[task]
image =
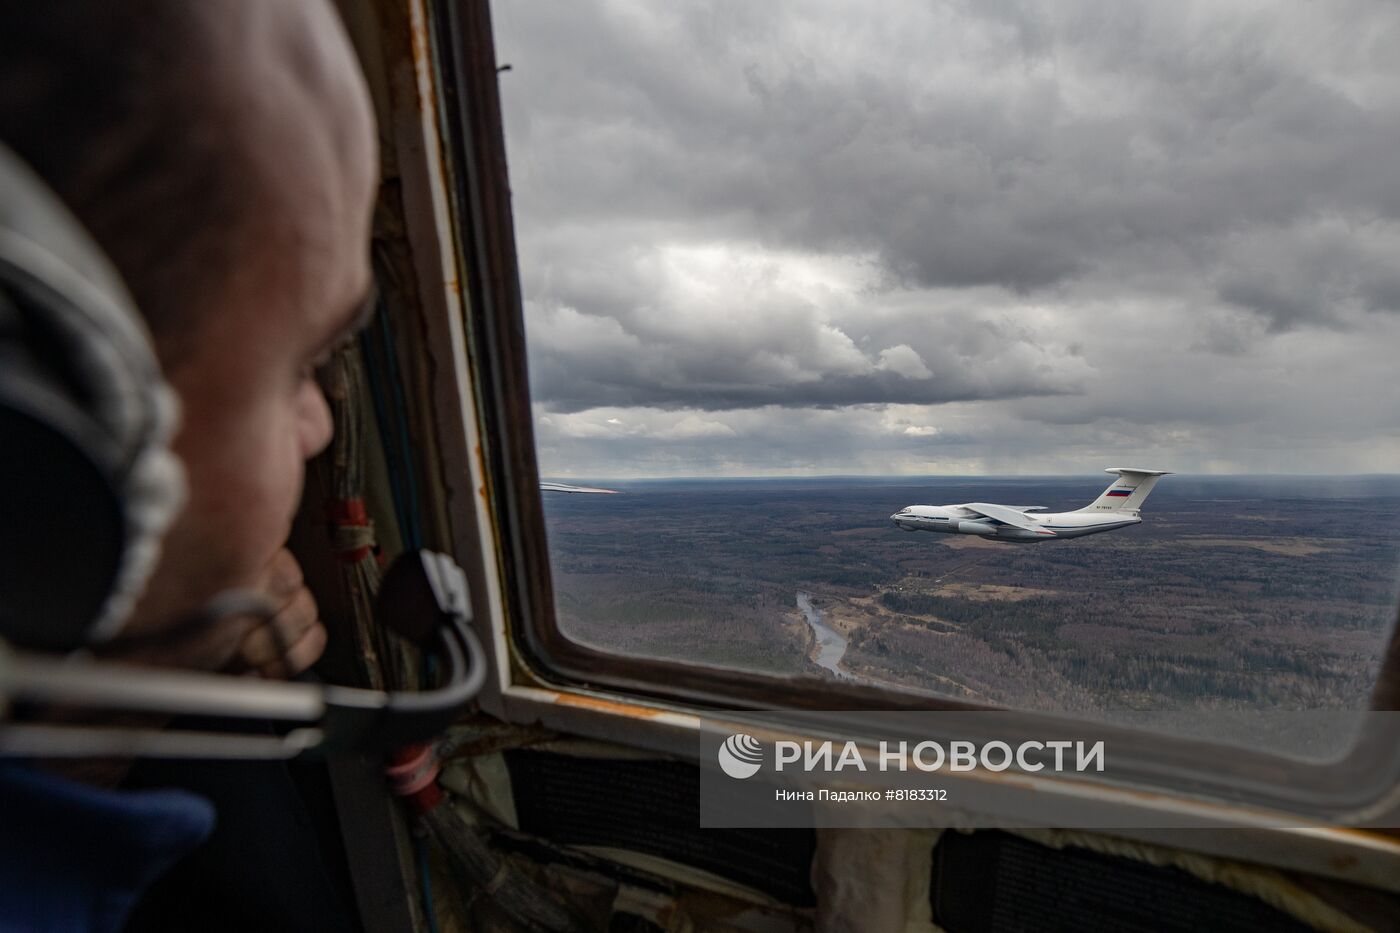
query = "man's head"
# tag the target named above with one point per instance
(223, 154)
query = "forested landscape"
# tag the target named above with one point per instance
(1235, 592)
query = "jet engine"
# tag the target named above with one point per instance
(976, 528)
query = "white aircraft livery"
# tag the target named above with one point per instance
(565, 487)
(1116, 508)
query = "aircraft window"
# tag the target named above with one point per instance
(784, 268)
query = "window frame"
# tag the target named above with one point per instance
(541, 676)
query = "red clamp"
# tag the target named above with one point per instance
(352, 532)
(413, 776)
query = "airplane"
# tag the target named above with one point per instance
(565, 487)
(1117, 507)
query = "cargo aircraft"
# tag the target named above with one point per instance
(587, 490)
(1116, 508)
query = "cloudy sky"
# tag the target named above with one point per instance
(808, 237)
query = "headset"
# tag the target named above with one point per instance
(88, 487)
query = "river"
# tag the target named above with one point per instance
(831, 644)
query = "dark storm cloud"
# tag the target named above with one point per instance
(576, 389)
(789, 205)
(1284, 307)
(1319, 273)
(1068, 131)
(730, 327)
(1383, 293)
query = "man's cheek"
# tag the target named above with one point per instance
(256, 501)
(280, 484)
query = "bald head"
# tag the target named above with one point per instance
(192, 139)
(222, 152)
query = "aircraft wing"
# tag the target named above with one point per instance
(1008, 515)
(562, 487)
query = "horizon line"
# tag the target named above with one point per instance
(599, 477)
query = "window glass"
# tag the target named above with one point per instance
(789, 268)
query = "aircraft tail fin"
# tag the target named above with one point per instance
(1125, 494)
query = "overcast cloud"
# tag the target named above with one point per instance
(814, 237)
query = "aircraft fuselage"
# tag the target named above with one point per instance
(955, 519)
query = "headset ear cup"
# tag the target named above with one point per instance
(56, 501)
(87, 420)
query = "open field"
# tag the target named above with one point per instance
(1288, 547)
(1234, 592)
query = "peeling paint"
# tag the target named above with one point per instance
(608, 706)
(423, 60)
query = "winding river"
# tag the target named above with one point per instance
(831, 644)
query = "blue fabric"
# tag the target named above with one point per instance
(74, 858)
